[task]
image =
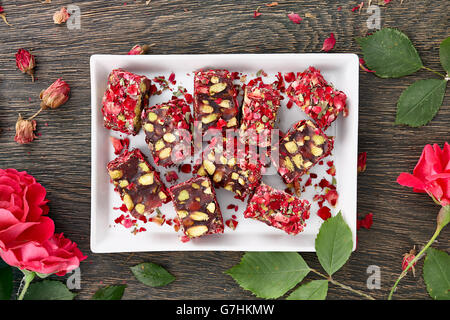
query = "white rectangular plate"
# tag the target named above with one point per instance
(340, 69)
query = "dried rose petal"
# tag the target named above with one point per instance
(172, 79)
(362, 158)
(119, 144)
(273, 4)
(332, 197)
(324, 213)
(171, 176)
(256, 13)
(25, 130)
(231, 223)
(329, 43)
(186, 168)
(365, 222)
(295, 18)
(362, 65)
(61, 16)
(56, 95)
(25, 62)
(358, 7)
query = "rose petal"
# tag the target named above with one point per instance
(329, 43)
(294, 17)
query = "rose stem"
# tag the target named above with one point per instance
(343, 285)
(413, 261)
(29, 276)
(35, 115)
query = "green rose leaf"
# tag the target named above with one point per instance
(152, 274)
(49, 290)
(313, 290)
(6, 282)
(269, 275)
(420, 102)
(390, 53)
(436, 273)
(334, 243)
(444, 54)
(109, 293)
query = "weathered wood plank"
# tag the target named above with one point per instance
(60, 158)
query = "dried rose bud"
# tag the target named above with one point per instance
(55, 95)
(407, 258)
(138, 49)
(25, 62)
(61, 16)
(25, 130)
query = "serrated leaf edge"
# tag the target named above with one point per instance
(398, 122)
(360, 40)
(308, 269)
(429, 289)
(334, 243)
(321, 281)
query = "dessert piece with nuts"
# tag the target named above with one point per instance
(137, 182)
(319, 100)
(259, 112)
(126, 95)
(278, 209)
(215, 100)
(230, 169)
(302, 147)
(167, 132)
(197, 208)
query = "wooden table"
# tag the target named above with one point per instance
(60, 158)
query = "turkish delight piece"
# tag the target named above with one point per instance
(302, 147)
(137, 182)
(167, 132)
(215, 100)
(318, 99)
(125, 96)
(278, 209)
(197, 207)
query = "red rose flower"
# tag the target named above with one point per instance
(22, 210)
(55, 95)
(57, 255)
(431, 174)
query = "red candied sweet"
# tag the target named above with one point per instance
(125, 96)
(259, 112)
(300, 149)
(197, 207)
(319, 100)
(215, 100)
(137, 182)
(167, 132)
(278, 209)
(230, 168)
